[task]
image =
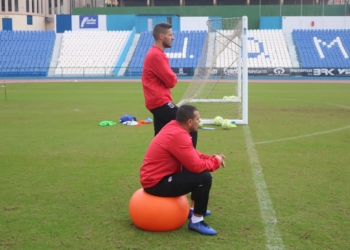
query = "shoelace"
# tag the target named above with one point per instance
(204, 224)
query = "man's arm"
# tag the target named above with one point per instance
(221, 157)
(188, 156)
(203, 156)
(161, 68)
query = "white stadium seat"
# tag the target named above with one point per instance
(90, 52)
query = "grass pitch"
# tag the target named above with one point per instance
(65, 182)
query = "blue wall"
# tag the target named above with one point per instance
(215, 25)
(214, 17)
(63, 23)
(141, 23)
(120, 22)
(270, 22)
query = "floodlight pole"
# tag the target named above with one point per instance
(280, 7)
(345, 5)
(323, 8)
(301, 8)
(259, 8)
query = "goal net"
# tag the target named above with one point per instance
(219, 86)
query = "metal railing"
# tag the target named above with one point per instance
(68, 71)
(108, 72)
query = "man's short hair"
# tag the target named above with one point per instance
(161, 28)
(185, 113)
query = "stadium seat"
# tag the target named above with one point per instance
(92, 53)
(327, 48)
(22, 52)
(267, 48)
(185, 51)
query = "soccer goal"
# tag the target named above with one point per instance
(219, 86)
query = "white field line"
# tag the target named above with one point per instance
(338, 105)
(302, 136)
(272, 234)
(298, 100)
(342, 106)
(313, 134)
(332, 104)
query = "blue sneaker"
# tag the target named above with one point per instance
(191, 213)
(201, 227)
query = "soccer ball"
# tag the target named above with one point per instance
(200, 124)
(226, 124)
(218, 120)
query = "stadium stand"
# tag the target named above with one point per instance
(25, 53)
(90, 53)
(322, 48)
(185, 51)
(267, 48)
(225, 51)
(95, 53)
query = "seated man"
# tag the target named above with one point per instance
(172, 148)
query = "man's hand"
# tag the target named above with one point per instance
(221, 157)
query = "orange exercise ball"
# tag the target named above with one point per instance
(158, 214)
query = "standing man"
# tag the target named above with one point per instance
(158, 79)
(161, 172)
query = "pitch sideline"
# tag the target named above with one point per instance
(303, 136)
(273, 236)
(312, 134)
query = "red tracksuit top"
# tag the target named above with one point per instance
(157, 79)
(170, 149)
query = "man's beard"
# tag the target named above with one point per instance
(165, 45)
(193, 129)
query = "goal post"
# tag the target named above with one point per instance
(219, 86)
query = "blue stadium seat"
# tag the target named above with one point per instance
(195, 42)
(323, 48)
(22, 51)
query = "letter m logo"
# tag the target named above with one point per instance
(321, 47)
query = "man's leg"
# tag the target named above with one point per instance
(194, 136)
(183, 183)
(157, 124)
(163, 115)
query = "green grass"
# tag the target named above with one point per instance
(65, 182)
